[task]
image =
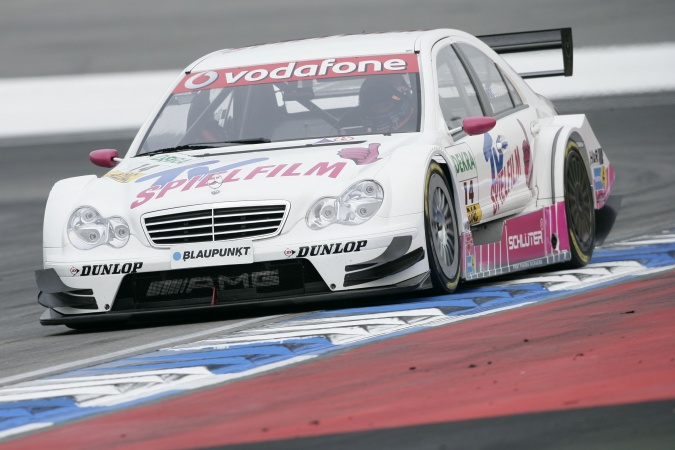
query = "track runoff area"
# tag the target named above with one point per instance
(489, 367)
(613, 321)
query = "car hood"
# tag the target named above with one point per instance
(298, 173)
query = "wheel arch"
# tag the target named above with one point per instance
(445, 282)
(555, 139)
(451, 176)
(411, 164)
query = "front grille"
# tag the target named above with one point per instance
(217, 223)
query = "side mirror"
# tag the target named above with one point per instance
(106, 157)
(478, 125)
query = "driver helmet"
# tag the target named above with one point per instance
(386, 103)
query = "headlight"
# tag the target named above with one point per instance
(88, 229)
(354, 206)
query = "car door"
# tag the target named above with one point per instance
(506, 149)
(458, 100)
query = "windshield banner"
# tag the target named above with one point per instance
(302, 70)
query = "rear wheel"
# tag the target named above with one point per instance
(578, 207)
(442, 231)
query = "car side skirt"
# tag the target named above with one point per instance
(522, 242)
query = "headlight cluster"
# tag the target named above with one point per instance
(354, 206)
(88, 229)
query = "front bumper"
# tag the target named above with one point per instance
(53, 317)
(389, 261)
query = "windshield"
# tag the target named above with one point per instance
(281, 102)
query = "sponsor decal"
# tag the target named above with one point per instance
(504, 176)
(463, 162)
(201, 80)
(211, 253)
(123, 177)
(601, 197)
(335, 139)
(201, 175)
(597, 157)
(496, 90)
(528, 264)
(106, 269)
(600, 178)
(361, 155)
(475, 213)
(326, 249)
(299, 70)
(469, 252)
(524, 240)
(222, 283)
(136, 172)
(527, 156)
(171, 159)
(469, 194)
(202, 168)
(493, 154)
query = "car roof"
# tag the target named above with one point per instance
(315, 48)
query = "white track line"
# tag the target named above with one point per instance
(113, 102)
(128, 351)
(607, 71)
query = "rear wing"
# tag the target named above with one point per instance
(529, 41)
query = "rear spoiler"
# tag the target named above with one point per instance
(528, 41)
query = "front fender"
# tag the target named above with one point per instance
(405, 178)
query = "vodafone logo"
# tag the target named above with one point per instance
(201, 80)
(294, 71)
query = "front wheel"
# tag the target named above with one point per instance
(442, 231)
(578, 207)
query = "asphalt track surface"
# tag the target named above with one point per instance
(635, 131)
(643, 161)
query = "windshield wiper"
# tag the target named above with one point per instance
(259, 140)
(203, 145)
(178, 148)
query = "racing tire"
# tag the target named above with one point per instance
(442, 231)
(579, 208)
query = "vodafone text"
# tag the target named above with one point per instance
(292, 71)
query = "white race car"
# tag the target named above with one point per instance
(320, 168)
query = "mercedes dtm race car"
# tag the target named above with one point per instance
(320, 168)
